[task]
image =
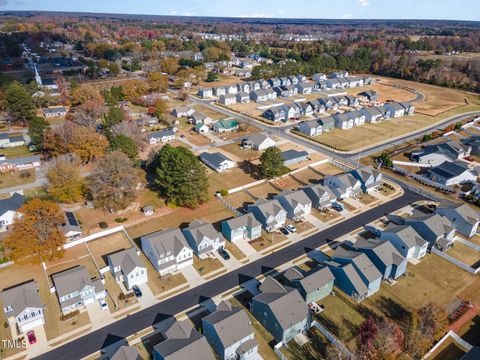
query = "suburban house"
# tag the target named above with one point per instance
(22, 304)
(293, 156)
(328, 123)
(181, 342)
(409, 108)
(339, 74)
(70, 226)
(406, 240)
(305, 88)
(126, 267)
(219, 91)
(281, 310)
(384, 256)
(182, 111)
(226, 125)
(282, 91)
(258, 142)
(243, 227)
(333, 84)
(285, 81)
(344, 121)
(7, 141)
(368, 95)
(217, 161)
(436, 154)
(231, 89)
(243, 87)
(200, 118)
(316, 106)
(9, 208)
(321, 196)
(306, 109)
(343, 185)
(372, 114)
(463, 218)
(202, 128)
(319, 77)
(228, 99)
(203, 238)
(387, 113)
(396, 109)
(167, 250)
(75, 288)
(328, 104)
(229, 331)
(369, 178)
(275, 114)
(451, 173)
(354, 81)
(263, 95)
(20, 163)
(294, 80)
(274, 82)
(339, 100)
(313, 285)
(269, 213)
(161, 136)
(296, 203)
(434, 228)
(54, 112)
(125, 352)
(358, 117)
(352, 101)
(243, 98)
(205, 93)
(354, 273)
(310, 128)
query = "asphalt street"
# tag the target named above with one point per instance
(120, 329)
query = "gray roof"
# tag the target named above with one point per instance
(200, 229)
(166, 241)
(126, 353)
(71, 280)
(329, 120)
(183, 342)
(320, 190)
(21, 297)
(286, 303)
(438, 224)
(384, 249)
(21, 160)
(294, 197)
(347, 116)
(12, 203)
(231, 324)
(181, 109)
(467, 213)
(312, 124)
(243, 220)
(407, 234)
(395, 106)
(450, 149)
(366, 171)
(215, 159)
(293, 154)
(362, 262)
(160, 133)
(352, 275)
(372, 111)
(347, 179)
(315, 279)
(449, 170)
(55, 110)
(127, 259)
(257, 139)
(199, 116)
(269, 207)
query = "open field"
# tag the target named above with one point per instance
(240, 199)
(386, 92)
(328, 169)
(16, 178)
(228, 180)
(307, 176)
(107, 245)
(209, 112)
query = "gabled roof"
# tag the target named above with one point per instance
(286, 304)
(257, 139)
(200, 229)
(269, 207)
(373, 111)
(450, 149)
(365, 172)
(384, 249)
(395, 106)
(71, 280)
(231, 323)
(467, 213)
(199, 116)
(312, 124)
(352, 275)
(215, 159)
(127, 259)
(21, 297)
(320, 190)
(361, 261)
(243, 220)
(315, 279)
(13, 203)
(293, 154)
(226, 123)
(166, 241)
(126, 353)
(160, 133)
(21, 160)
(407, 234)
(294, 197)
(329, 120)
(438, 224)
(449, 170)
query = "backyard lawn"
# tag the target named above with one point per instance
(465, 254)
(17, 151)
(16, 178)
(106, 245)
(326, 215)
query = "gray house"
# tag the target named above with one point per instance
(167, 250)
(320, 196)
(396, 109)
(258, 142)
(269, 213)
(296, 203)
(244, 227)
(435, 229)
(343, 185)
(229, 331)
(76, 289)
(313, 285)
(370, 178)
(406, 240)
(310, 128)
(463, 218)
(281, 310)
(23, 303)
(328, 123)
(217, 161)
(126, 267)
(182, 342)
(384, 256)
(372, 114)
(203, 238)
(126, 353)
(436, 154)
(451, 173)
(292, 156)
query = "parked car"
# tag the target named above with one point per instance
(291, 228)
(137, 291)
(31, 337)
(224, 254)
(103, 304)
(284, 231)
(469, 158)
(337, 206)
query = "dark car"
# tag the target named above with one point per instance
(137, 291)
(223, 253)
(31, 337)
(284, 231)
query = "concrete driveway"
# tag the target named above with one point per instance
(42, 343)
(98, 317)
(147, 299)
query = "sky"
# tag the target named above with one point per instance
(319, 9)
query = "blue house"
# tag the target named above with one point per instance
(354, 273)
(245, 227)
(281, 310)
(384, 256)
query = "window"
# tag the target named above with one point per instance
(8, 308)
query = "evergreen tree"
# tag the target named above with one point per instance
(271, 163)
(124, 144)
(19, 102)
(36, 131)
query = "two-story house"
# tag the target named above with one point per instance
(296, 203)
(343, 185)
(313, 285)
(310, 128)
(269, 213)
(463, 218)
(203, 238)
(406, 240)
(370, 178)
(321, 196)
(126, 267)
(23, 304)
(244, 227)
(167, 250)
(435, 229)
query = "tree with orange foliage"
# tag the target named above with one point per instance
(82, 94)
(36, 235)
(134, 89)
(157, 82)
(169, 65)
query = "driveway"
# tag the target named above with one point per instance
(147, 299)
(42, 343)
(98, 317)
(192, 276)
(246, 248)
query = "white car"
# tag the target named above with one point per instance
(103, 304)
(291, 228)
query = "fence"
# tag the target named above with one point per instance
(280, 355)
(468, 243)
(455, 337)
(227, 205)
(95, 236)
(456, 262)
(338, 344)
(422, 179)
(408, 163)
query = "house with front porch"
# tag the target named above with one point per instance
(269, 213)
(321, 196)
(126, 267)
(243, 227)
(396, 109)
(203, 238)
(296, 203)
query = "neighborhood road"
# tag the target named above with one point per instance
(120, 329)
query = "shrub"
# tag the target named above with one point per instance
(70, 315)
(121, 220)
(103, 225)
(224, 192)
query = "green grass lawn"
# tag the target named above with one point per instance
(16, 152)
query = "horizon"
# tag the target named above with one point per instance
(460, 10)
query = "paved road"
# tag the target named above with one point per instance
(119, 330)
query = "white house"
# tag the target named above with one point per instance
(160, 137)
(183, 111)
(463, 217)
(270, 213)
(127, 267)
(396, 109)
(217, 161)
(200, 118)
(406, 240)
(203, 238)
(227, 99)
(296, 203)
(258, 142)
(8, 210)
(343, 185)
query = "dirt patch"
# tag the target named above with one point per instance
(106, 245)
